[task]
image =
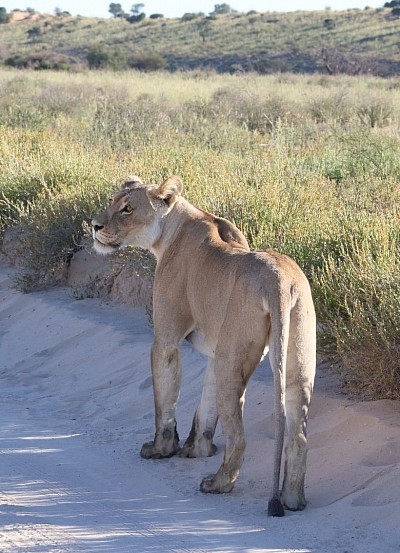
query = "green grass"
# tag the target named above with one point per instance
(309, 166)
(266, 42)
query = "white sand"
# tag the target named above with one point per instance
(76, 405)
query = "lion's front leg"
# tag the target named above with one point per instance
(166, 370)
(200, 440)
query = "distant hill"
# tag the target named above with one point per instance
(353, 41)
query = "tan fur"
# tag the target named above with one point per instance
(231, 304)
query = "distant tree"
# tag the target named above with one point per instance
(220, 9)
(392, 4)
(137, 14)
(60, 13)
(116, 10)
(4, 16)
(395, 12)
(156, 16)
(204, 27)
(137, 8)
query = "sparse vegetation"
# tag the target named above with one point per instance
(306, 165)
(350, 42)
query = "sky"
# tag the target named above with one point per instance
(175, 8)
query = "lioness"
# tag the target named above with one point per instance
(230, 304)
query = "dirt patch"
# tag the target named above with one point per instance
(17, 17)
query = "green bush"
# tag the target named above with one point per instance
(40, 61)
(357, 296)
(136, 18)
(101, 57)
(189, 16)
(147, 62)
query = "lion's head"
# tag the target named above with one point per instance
(134, 216)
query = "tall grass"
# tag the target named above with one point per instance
(307, 166)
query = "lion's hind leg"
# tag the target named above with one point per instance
(236, 357)
(230, 400)
(200, 440)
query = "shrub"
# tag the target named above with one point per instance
(4, 16)
(34, 32)
(255, 112)
(41, 60)
(147, 62)
(189, 16)
(220, 9)
(156, 16)
(358, 301)
(136, 18)
(329, 24)
(101, 57)
(375, 112)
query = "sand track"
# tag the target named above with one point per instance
(76, 404)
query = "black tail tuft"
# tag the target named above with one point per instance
(275, 508)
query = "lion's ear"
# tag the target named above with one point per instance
(131, 182)
(168, 191)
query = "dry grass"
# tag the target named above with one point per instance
(308, 166)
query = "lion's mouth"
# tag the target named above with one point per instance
(104, 249)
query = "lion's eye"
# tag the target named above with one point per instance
(127, 209)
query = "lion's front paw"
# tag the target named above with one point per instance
(216, 484)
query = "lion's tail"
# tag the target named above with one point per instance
(278, 351)
(292, 357)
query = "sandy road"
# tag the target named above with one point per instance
(61, 493)
(76, 405)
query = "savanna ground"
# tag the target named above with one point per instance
(307, 165)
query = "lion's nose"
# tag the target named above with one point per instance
(96, 227)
